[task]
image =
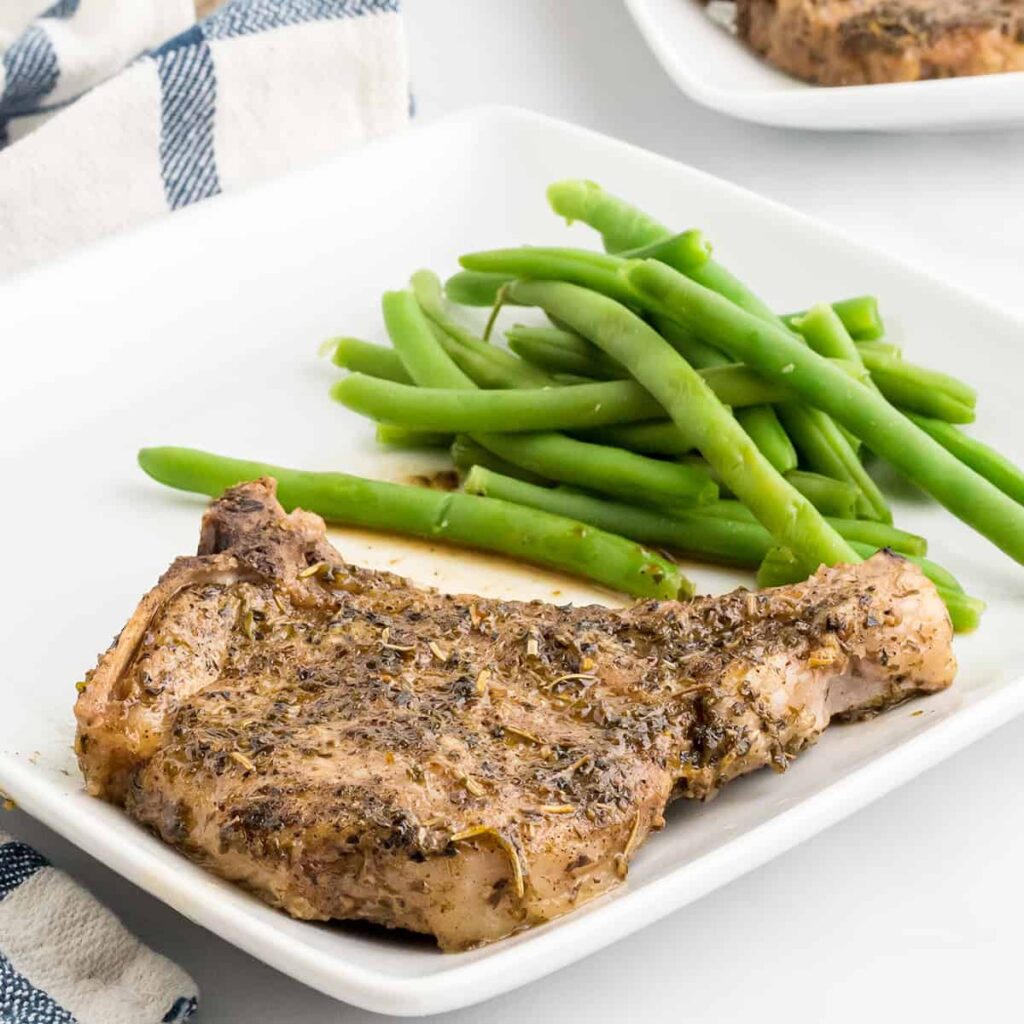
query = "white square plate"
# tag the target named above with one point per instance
(202, 330)
(716, 69)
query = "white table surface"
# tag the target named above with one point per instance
(911, 909)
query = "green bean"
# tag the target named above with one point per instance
(859, 316)
(607, 470)
(549, 454)
(592, 270)
(825, 332)
(720, 540)
(474, 288)
(553, 349)
(403, 437)
(410, 331)
(624, 227)
(693, 406)
(865, 531)
(779, 568)
(777, 354)
(489, 366)
(365, 357)
(466, 454)
(822, 329)
(574, 407)
(829, 496)
(923, 391)
(995, 468)
(826, 451)
(699, 354)
(686, 251)
(695, 533)
(460, 518)
(881, 348)
(762, 426)
(661, 437)
(761, 423)
(621, 225)
(482, 361)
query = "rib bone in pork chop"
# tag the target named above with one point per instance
(348, 745)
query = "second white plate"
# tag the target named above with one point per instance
(717, 70)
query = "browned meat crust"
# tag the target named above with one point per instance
(853, 42)
(348, 745)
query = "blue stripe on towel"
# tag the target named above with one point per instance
(18, 863)
(188, 97)
(61, 9)
(22, 1003)
(182, 1010)
(30, 64)
(248, 16)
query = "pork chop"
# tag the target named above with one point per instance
(854, 42)
(348, 745)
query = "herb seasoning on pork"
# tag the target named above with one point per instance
(348, 745)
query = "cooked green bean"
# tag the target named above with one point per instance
(592, 270)
(859, 315)
(685, 251)
(552, 455)
(822, 329)
(481, 360)
(422, 355)
(474, 288)
(365, 357)
(524, 533)
(882, 348)
(780, 568)
(623, 226)
(466, 454)
(995, 468)
(662, 437)
(492, 367)
(888, 433)
(760, 423)
(826, 333)
(693, 406)
(512, 410)
(729, 540)
(556, 350)
(607, 470)
(826, 451)
(920, 390)
(829, 496)
(403, 437)
(866, 531)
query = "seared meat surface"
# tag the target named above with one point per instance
(853, 42)
(348, 745)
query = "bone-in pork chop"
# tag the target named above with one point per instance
(348, 745)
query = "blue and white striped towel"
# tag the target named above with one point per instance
(95, 137)
(67, 960)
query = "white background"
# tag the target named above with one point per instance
(910, 909)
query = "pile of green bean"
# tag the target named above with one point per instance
(664, 404)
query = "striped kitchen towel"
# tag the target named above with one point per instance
(113, 111)
(65, 959)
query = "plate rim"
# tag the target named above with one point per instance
(573, 937)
